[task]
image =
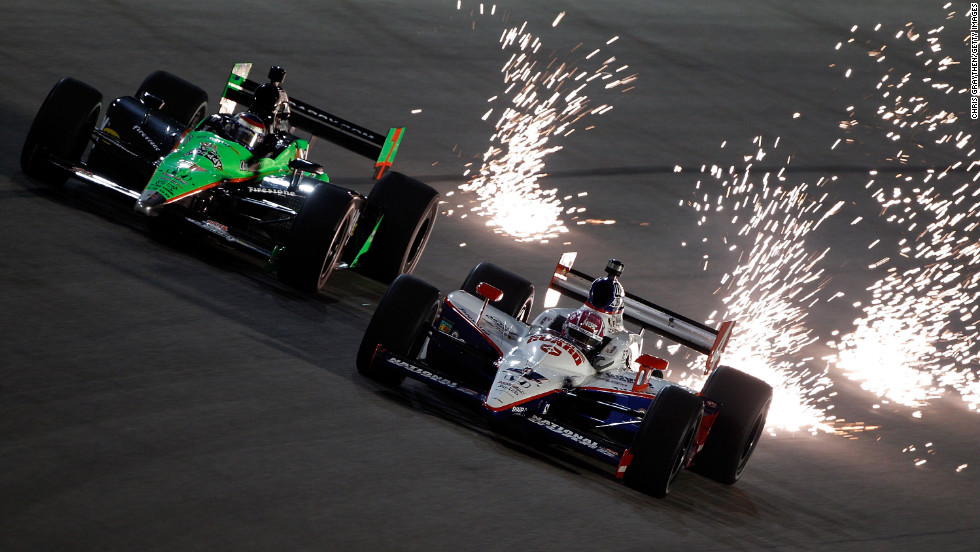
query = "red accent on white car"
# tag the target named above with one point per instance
(714, 357)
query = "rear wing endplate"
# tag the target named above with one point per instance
(690, 333)
(374, 145)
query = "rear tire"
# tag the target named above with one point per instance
(184, 101)
(408, 210)
(518, 291)
(399, 324)
(62, 128)
(665, 436)
(744, 401)
(318, 237)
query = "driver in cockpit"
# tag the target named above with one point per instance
(596, 327)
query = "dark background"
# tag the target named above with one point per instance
(157, 397)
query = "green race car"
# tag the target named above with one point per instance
(241, 175)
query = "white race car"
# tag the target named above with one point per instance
(572, 377)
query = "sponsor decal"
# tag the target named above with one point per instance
(146, 137)
(534, 376)
(208, 151)
(511, 376)
(169, 186)
(524, 376)
(552, 350)
(509, 387)
(592, 323)
(616, 378)
(498, 326)
(333, 121)
(493, 322)
(571, 435)
(519, 381)
(217, 226)
(554, 346)
(268, 191)
(447, 329)
(587, 321)
(422, 372)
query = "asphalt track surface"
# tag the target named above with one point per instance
(162, 397)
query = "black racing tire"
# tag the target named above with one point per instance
(399, 324)
(62, 128)
(518, 291)
(665, 437)
(407, 210)
(318, 237)
(182, 100)
(744, 401)
(168, 227)
(161, 228)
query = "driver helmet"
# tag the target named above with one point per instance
(248, 129)
(607, 296)
(585, 329)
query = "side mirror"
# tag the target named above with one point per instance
(652, 362)
(305, 166)
(650, 367)
(489, 292)
(301, 166)
(151, 102)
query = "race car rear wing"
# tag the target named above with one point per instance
(703, 339)
(373, 145)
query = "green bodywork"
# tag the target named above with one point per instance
(203, 160)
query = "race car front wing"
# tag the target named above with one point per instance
(527, 417)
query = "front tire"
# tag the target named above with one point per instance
(518, 291)
(399, 325)
(665, 436)
(744, 401)
(408, 210)
(61, 128)
(182, 100)
(318, 237)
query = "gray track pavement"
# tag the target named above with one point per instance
(160, 397)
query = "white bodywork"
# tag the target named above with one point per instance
(535, 362)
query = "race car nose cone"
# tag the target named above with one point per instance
(148, 200)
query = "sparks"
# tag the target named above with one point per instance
(917, 338)
(540, 108)
(770, 290)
